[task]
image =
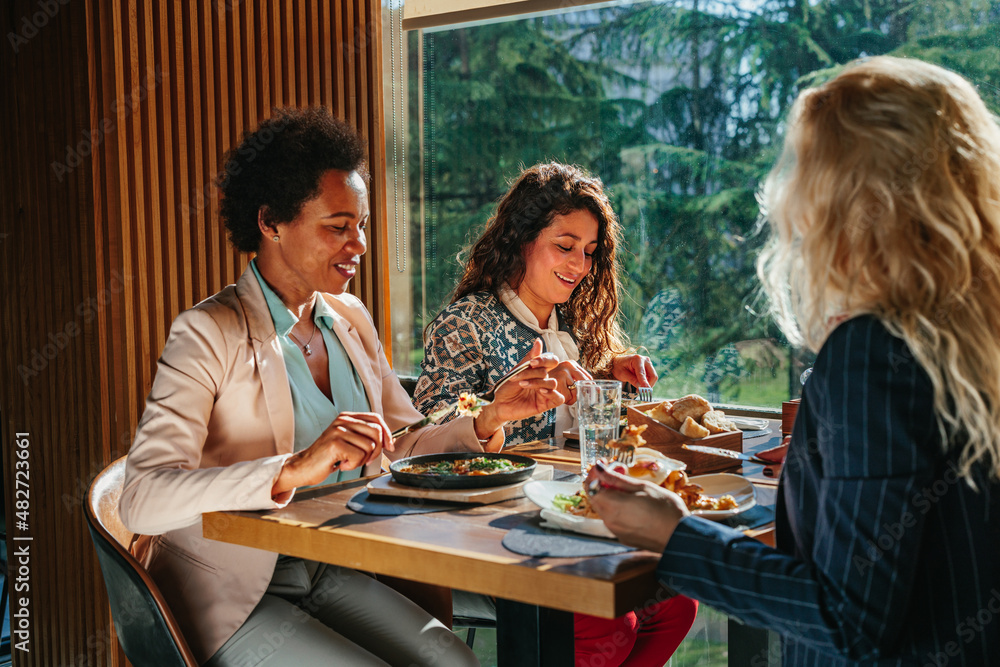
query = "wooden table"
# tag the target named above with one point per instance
(748, 646)
(460, 549)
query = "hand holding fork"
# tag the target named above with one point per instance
(637, 370)
(534, 360)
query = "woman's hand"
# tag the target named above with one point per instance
(350, 441)
(639, 513)
(530, 392)
(635, 369)
(567, 374)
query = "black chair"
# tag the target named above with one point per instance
(146, 629)
(472, 624)
(409, 384)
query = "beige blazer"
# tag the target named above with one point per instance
(215, 433)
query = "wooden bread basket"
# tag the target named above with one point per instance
(668, 441)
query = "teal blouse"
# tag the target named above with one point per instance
(312, 410)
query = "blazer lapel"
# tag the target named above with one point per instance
(270, 362)
(349, 338)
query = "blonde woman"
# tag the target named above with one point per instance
(885, 257)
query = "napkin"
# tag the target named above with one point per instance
(775, 454)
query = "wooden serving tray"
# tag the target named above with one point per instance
(666, 440)
(385, 486)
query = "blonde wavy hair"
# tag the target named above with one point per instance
(886, 201)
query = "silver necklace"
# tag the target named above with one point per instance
(305, 348)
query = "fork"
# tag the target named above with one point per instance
(644, 394)
(491, 394)
(624, 454)
(440, 414)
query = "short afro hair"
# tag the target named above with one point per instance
(278, 167)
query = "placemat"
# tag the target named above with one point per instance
(365, 503)
(755, 517)
(530, 539)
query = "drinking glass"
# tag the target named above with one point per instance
(599, 405)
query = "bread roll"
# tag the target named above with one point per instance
(693, 429)
(692, 406)
(715, 421)
(661, 413)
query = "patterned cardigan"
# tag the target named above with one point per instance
(472, 343)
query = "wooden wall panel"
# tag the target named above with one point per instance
(115, 117)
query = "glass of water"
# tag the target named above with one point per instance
(599, 405)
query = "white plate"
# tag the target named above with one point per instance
(748, 423)
(721, 484)
(542, 494)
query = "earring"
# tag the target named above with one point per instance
(275, 238)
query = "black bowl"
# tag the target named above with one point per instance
(435, 481)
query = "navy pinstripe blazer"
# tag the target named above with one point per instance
(884, 555)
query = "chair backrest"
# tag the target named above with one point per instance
(409, 383)
(146, 629)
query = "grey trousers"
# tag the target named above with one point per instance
(317, 614)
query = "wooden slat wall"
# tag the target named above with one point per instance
(98, 260)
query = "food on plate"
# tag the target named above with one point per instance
(470, 405)
(654, 467)
(692, 495)
(693, 429)
(647, 464)
(651, 469)
(480, 465)
(577, 505)
(693, 416)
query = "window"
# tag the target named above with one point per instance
(679, 108)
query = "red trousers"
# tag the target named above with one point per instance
(643, 638)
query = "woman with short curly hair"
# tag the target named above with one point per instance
(279, 382)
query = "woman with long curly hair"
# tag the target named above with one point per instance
(545, 268)
(545, 273)
(884, 257)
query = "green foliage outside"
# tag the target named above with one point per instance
(679, 108)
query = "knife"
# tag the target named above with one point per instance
(727, 453)
(433, 417)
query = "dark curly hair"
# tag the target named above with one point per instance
(533, 200)
(278, 167)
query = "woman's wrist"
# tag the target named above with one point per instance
(487, 423)
(286, 481)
